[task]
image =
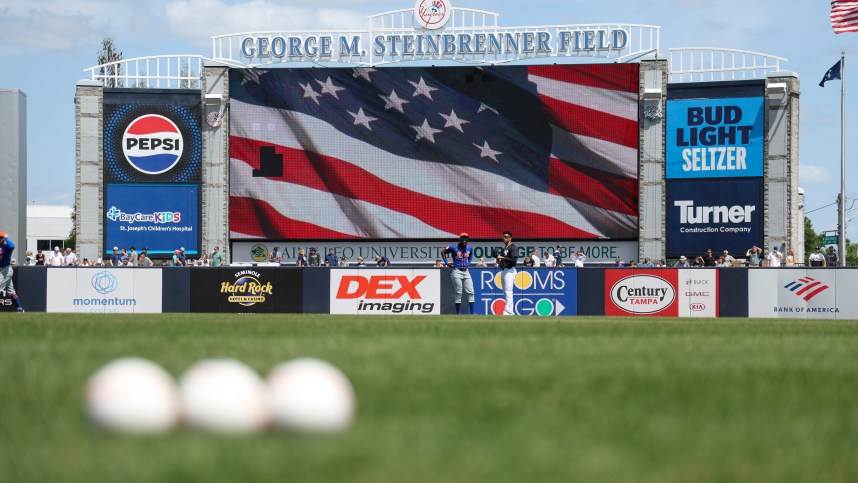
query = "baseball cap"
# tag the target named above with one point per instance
(463, 235)
(56, 249)
(775, 247)
(2, 234)
(181, 249)
(116, 248)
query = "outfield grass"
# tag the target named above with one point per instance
(459, 399)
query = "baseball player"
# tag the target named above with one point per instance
(507, 259)
(461, 254)
(6, 249)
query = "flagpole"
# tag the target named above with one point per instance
(842, 228)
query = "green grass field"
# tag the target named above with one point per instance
(465, 399)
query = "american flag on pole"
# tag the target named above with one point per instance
(548, 152)
(844, 16)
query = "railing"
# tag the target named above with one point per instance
(703, 64)
(152, 72)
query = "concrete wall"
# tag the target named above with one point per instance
(89, 157)
(215, 187)
(13, 164)
(652, 193)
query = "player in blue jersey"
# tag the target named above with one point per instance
(6, 249)
(461, 254)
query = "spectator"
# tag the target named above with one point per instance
(177, 260)
(682, 262)
(722, 262)
(40, 258)
(708, 258)
(85, 262)
(618, 263)
(360, 262)
(549, 259)
(123, 258)
(133, 256)
(203, 261)
(831, 258)
(579, 259)
(699, 262)
(534, 256)
(816, 259)
(481, 262)
(276, 256)
(755, 256)
(662, 263)
(217, 257)
(632, 263)
(382, 261)
(558, 257)
(314, 260)
(29, 261)
(57, 258)
(438, 263)
(775, 257)
(143, 260)
(344, 262)
(728, 258)
(331, 258)
(789, 261)
(70, 258)
(182, 256)
(647, 263)
(528, 260)
(114, 258)
(99, 262)
(301, 261)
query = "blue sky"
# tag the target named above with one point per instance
(45, 45)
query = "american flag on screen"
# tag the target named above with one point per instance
(844, 16)
(542, 151)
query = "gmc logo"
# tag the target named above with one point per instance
(379, 287)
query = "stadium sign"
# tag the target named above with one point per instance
(540, 292)
(662, 292)
(356, 291)
(108, 291)
(433, 30)
(804, 293)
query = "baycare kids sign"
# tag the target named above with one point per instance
(715, 138)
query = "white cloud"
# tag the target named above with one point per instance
(810, 174)
(198, 20)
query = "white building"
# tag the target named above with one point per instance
(48, 226)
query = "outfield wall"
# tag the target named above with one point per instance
(668, 292)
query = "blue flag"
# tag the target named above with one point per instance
(833, 73)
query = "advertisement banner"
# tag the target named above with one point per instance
(383, 292)
(802, 293)
(104, 291)
(642, 292)
(721, 215)
(426, 252)
(715, 138)
(152, 137)
(698, 292)
(246, 290)
(542, 292)
(161, 218)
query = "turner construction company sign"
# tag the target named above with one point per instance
(433, 30)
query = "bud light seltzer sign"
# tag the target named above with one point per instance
(715, 138)
(721, 215)
(152, 138)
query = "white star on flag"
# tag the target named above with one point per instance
(363, 72)
(393, 101)
(487, 152)
(454, 121)
(362, 119)
(310, 92)
(484, 107)
(426, 131)
(328, 87)
(422, 89)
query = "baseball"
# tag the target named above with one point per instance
(312, 396)
(132, 395)
(224, 395)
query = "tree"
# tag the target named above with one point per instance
(811, 239)
(109, 54)
(71, 241)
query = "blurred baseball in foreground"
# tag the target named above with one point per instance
(310, 395)
(132, 395)
(224, 395)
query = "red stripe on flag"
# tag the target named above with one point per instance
(591, 123)
(332, 175)
(594, 187)
(258, 219)
(624, 77)
(844, 16)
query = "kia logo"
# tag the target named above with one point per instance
(698, 307)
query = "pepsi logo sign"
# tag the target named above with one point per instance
(642, 294)
(152, 144)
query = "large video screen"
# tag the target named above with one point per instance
(547, 152)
